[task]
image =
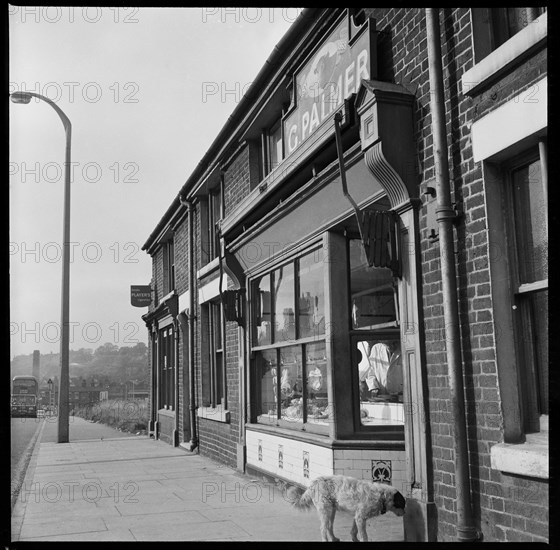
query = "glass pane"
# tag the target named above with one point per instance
(380, 378)
(291, 384)
(312, 295)
(219, 378)
(275, 146)
(216, 321)
(371, 289)
(531, 223)
(536, 339)
(267, 378)
(263, 317)
(284, 300)
(318, 410)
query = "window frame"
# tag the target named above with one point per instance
(277, 346)
(166, 364)
(491, 29)
(377, 332)
(523, 326)
(214, 383)
(214, 215)
(168, 266)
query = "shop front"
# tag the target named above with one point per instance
(325, 251)
(326, 391)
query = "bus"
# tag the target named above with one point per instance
(25, 391)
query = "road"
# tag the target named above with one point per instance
(22, 431)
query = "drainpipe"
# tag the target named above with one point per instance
(193, 443)
(446, 215)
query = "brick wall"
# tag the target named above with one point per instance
(236, 180)
(403, 59)
(181, 251)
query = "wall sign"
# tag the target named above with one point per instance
(332, 75)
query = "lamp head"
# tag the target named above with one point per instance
(20, 97)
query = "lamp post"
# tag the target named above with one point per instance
(50, 383)
(63, 417)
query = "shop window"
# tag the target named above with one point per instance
(166, 368)
(492, 27)
(213, 376)
(528, 233)
(168, 267)
(376, 345)
(289, 349)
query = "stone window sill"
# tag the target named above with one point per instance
(528, 459)
(218, 414)
(210, 267)
(487, 70)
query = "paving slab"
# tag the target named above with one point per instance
(139, 489)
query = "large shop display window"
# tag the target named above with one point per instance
(376, 344)
(289, 344)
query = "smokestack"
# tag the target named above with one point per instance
(36, 365)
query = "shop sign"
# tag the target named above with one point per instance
(333, 74)
(140, 295)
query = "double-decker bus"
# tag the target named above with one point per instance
(25, 390)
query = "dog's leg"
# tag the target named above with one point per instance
(332, 513)
(354, 532)
(360, 519)
(324, 519)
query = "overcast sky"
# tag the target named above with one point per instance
(147, 90)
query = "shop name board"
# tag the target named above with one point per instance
(332, 75)
(140, 295)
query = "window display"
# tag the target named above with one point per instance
(289, 348)
(380, 379)
(376, 346)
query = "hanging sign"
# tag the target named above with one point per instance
(140, 295)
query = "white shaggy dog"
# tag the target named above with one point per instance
(331, 493)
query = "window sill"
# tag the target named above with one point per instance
(167, 412)
(218, 414)
(487, 70)
(211, 266)
(528, 459)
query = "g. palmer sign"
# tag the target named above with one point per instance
(140, 295)
(332, 74)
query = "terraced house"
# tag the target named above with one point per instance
(354, 278)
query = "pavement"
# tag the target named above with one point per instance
(111, 487)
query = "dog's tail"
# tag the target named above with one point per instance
(299, 498)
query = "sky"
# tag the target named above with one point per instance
(146, 90)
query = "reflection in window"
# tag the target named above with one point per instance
(312, 295)
(373, 293)
(284, 304)
(380, 378)
(275, 145)
(263, 320)
(290, 359)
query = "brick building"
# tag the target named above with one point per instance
(354, 278)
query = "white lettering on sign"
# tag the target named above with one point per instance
(332, 75)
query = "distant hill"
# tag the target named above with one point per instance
(108, 361)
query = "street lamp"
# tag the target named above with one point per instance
(50, 383)
(63, 417)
